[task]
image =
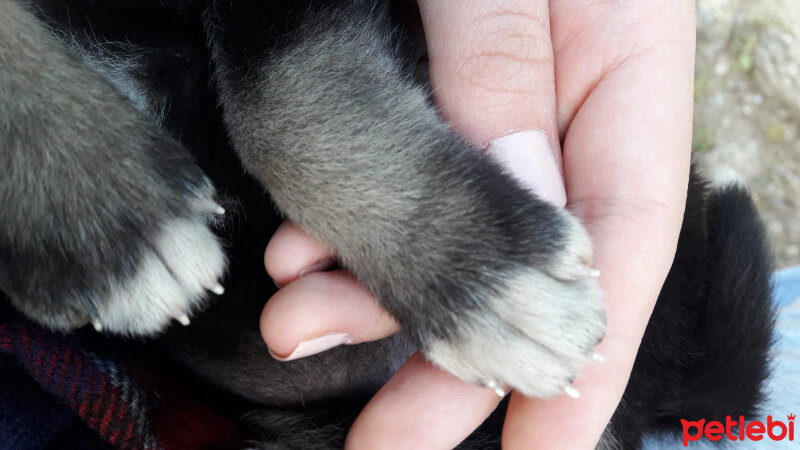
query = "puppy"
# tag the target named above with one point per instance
(115, 122)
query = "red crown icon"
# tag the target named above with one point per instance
(791, 416)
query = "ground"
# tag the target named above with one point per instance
(747, 106)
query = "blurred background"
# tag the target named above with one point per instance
(747, 106)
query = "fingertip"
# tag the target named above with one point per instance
(552, 422)
(290, 252)
(319, 311)
(486, 79)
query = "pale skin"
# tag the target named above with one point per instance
(610, 83)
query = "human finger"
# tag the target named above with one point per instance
(320, 311)
(292, 253)
(626, 158)
(421, 406)
(491, 67)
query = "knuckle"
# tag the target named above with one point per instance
(507, 51)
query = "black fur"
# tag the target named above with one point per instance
(219, 73)
(705, 352)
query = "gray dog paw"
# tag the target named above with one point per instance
(535, 329)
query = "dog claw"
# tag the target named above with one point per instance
(183, 319)
(217, 289)
(499, 391)
(97, 325)
(586, 272)
(596, 356)
(209, 205)
(577, 272)
(572, 392)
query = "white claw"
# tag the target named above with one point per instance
(206, 204)
(572, 392)
(183, 319)
(218, 289)
(97, 325)
(586, 272)
(578, 272)
(499, 391)
(596, 356)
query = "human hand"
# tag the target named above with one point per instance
(616, 80)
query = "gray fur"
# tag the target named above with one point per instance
(251, 373)
(119, 63)
(445, 241)
(103, 220)
(91, 189)
(105, 211)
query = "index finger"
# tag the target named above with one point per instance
(491, 67)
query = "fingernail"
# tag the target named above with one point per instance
(527, 155)
(314, 346)
(318, 267)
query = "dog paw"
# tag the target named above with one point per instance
(132, 280)
(127, 252)
(103, 217)
(536, 326)
(171, 281)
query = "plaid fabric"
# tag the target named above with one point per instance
(111, 386)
